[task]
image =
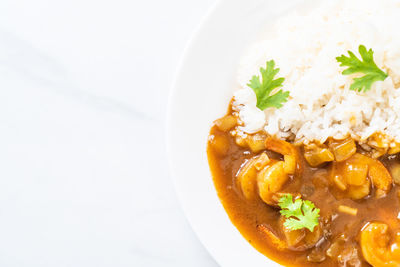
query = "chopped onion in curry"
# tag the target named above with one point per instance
(329, 204)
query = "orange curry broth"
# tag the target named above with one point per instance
(313, 185)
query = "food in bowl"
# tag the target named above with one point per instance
(306, 161)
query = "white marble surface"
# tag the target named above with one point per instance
(83, 171)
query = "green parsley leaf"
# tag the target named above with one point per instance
(367, 66)
(300, 213)
(264, 89)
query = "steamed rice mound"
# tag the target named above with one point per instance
(304, 47)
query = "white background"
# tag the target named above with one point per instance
(83, 169)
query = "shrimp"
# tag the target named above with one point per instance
(270, 181)
(247, 176)
(267, 177)
(376, 246)
(289, 151)
(380, 177)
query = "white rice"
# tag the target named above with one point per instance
(305, 47)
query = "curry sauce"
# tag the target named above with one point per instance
(345, 209)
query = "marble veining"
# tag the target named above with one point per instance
(84, 176)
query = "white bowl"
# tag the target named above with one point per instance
(203, 88)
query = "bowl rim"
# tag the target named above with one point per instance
(169, 116)
(220, 257)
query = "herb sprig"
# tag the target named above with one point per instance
(367, 66)
(264, 88)
(300, 213)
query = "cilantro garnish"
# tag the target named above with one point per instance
(367, 66)
(264, 89)
(300, 213)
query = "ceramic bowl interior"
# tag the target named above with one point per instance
(202, 91)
